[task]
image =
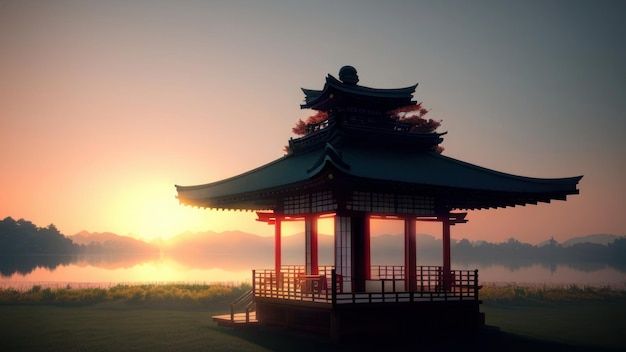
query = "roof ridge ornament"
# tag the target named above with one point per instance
(383, 99)
(348, 75)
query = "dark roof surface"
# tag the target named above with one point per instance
(316, 98)
(425, 169)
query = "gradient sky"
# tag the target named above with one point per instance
(106, 105)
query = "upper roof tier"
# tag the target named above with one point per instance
(344, 92)
(358, 114)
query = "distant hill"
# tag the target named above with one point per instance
(602, 238)
(85, 237)
(111, 243)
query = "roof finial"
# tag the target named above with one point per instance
(347, 75)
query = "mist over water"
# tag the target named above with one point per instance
(229, 257)
(160, 268)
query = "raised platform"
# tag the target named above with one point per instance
(382, 318)
(324, 303)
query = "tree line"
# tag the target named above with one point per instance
(25, 247)
(24, 237)
(580, 255)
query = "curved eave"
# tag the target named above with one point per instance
(404, 92)
(455, 184)
(316, 98)
(430, 168)
(272, 178)
(311, 94)
(452, 183)
(275, 173)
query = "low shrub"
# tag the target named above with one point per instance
(152, 295)
(545, 293)
(205, 296)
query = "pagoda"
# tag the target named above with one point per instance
(357, 165)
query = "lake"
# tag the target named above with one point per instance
(111, 270)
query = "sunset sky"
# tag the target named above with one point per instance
(106, 105)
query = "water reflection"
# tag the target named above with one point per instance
(25, 264)
(159, 268)
(113, 269)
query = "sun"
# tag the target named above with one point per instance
(150, 210)
(162, 216)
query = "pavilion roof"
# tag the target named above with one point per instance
(344, 156)
(458, 184)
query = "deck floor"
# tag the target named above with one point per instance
(239, 320)
(370, 297)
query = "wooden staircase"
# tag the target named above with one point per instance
(236, 318)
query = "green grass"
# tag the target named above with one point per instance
(110, 327)
(587, 317)
(178, 318)
(115, 326)
(585, 323)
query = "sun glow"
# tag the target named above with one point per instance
(325, 226)
(151, 210)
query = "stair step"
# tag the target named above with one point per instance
(238, 321)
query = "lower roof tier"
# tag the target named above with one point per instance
(385, 181)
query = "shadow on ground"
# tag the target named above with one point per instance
(486, 339)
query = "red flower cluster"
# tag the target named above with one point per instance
(413, 115)
(301, 126)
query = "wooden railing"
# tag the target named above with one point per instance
(314, 127)
(293, 284)
(386, 285)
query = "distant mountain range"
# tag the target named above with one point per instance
(593, 238)
(109, 242)
(232, 248)
(226, 241)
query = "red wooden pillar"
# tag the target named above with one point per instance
(367, 249)
(410, 255)
(311, 245)
(277, 246)
(446, 275)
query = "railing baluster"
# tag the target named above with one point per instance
(268, 283)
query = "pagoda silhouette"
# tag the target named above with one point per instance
(361, 164)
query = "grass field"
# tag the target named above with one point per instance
(587, 324)
(145, 321)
